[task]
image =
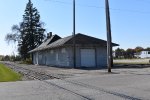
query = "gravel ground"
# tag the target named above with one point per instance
(34, 72)
(77, 84)
(122, 84)
(29, 72)
(37, 72)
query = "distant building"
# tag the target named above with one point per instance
(143, 54)
(1, 57)
(57, 51)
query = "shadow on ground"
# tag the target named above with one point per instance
(115, 66)
(139, 66)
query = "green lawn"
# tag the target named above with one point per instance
(7, 75)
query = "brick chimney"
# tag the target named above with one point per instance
(49, 35)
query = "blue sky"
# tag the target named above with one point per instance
(130, 20)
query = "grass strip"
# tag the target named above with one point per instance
(8, 75)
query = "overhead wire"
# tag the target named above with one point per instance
(101, 7)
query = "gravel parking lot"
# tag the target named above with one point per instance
(36, 72)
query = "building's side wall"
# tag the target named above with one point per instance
(56, 57)
(41, 58)
(34, 59)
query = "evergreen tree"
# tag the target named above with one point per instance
(31, 31)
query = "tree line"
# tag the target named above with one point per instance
(10, 58)
(129, 53)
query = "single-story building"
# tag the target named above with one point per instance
(57, 51)
(144, 54)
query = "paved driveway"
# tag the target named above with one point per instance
(123, 84)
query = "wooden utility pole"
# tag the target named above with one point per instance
(74, 33)
(109, 38)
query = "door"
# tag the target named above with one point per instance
(88, 57)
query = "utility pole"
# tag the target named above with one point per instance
(74, 33)
(109, 38)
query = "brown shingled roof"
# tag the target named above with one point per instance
(81, 39)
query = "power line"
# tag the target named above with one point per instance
(144, 0)
(98, 7)
(128, 10)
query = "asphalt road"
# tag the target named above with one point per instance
(123, 84)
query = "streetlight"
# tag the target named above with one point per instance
(109, 39)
